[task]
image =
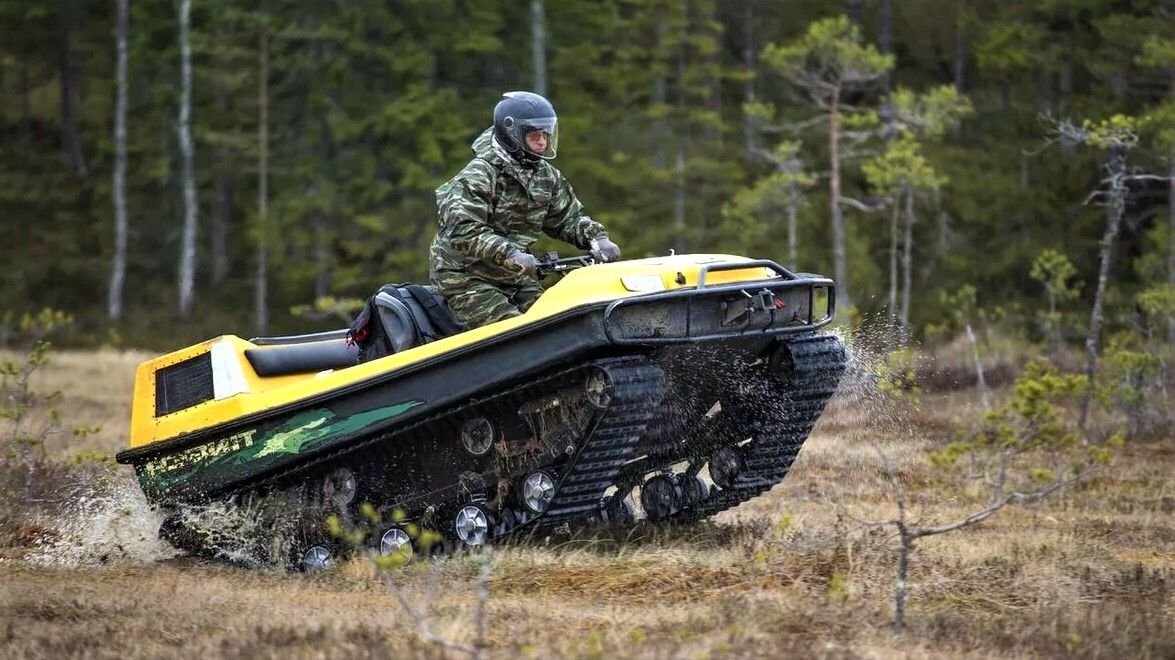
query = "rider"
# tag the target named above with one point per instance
(493, 210)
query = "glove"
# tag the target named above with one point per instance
(522, 262)
(605, 250)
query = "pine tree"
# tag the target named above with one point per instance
(826, 63)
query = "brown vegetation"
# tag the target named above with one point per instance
(1090, 572)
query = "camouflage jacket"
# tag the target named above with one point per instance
(495, 205)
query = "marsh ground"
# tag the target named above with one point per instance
(1089, 572)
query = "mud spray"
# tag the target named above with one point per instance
(108, 522)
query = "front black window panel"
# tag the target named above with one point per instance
(183, 385)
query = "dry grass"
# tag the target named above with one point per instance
(96, 388)
(1089, 573)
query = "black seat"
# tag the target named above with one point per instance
(399, 317)
(282, 359)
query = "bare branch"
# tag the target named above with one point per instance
(1147, 177)
(864, 522)
(421, 621)
(861, 206)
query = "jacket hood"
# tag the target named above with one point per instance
(485, 147)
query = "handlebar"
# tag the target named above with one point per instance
(551, 264)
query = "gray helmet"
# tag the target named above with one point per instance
(518, 115)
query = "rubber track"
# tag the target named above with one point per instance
(637, 389)
(819, 362)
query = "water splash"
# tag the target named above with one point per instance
(106, 523)
(256, 533)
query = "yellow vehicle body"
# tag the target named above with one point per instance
(250, 394)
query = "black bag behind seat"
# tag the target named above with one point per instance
(399, 317)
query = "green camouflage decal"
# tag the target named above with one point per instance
(251, 450)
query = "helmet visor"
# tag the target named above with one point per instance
(540, 136)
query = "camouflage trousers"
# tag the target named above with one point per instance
(477, 302)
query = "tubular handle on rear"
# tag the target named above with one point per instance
(742, 265)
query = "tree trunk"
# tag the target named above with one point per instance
(187, 274)
(960, 63)
(260, 279)
(222, 218)
(907, 260)
(322, 260)
(885, 37)
(26, 110)
(961, 47)
(71, 141)
(1171, 237)
(538, 46)
(903, 579)
(893, 261)
(1117, 206)
(679, 194)
(711, 132)
(749, 73)
(1065, 85)
(118, 263)
(839, 261)
(853, 10)
(793, 203)
(679, 243)
(981, 381)
(659, 99)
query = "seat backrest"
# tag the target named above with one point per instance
(400, 325)
(399, 317)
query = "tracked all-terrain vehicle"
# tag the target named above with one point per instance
(692, 380)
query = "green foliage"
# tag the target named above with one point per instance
(1158, 302)
(353, 535)
(1031, 438)
(1132, 383)
(963, 310)
(1012, 49)
(1054, 270)
(340, 309)
(932, 114)
(902, 167)
(897, 374)
(1116, 131)
(829, 56)
(30, 417)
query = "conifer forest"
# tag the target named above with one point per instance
(170, 171)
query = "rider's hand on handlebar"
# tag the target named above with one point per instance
(522, 262)
(604, 250)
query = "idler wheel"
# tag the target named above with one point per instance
(341, 486)
(473, 523)
(617, 510)
(477, 435)
(395, 542)
(315, 559)
(537, 491)
(598, 388)
(693, 490)
(659, 497)
(725, 466)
